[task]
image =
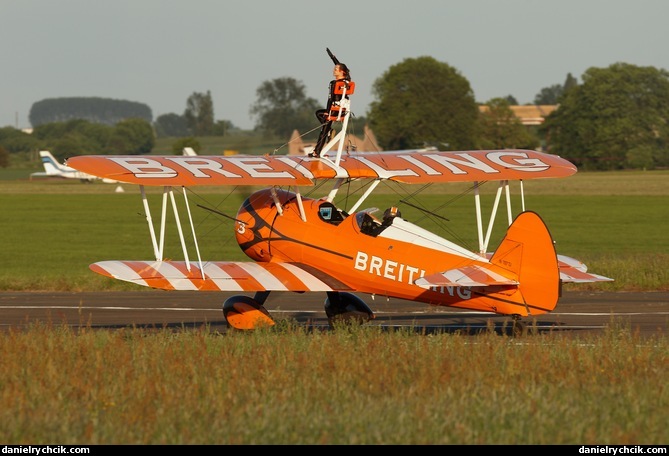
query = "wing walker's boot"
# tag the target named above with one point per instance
(322, 139)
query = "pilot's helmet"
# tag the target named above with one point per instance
(392, 212)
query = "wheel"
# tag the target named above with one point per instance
(518, 328)
(346, 307)
(244, 312)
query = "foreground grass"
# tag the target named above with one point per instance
(287, 385)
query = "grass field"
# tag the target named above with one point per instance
(353, 385)
(349, 386)
(53, 229)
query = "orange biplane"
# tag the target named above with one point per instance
(301, 244)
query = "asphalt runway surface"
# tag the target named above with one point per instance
(577, 312)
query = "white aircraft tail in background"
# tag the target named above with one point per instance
(54, 169)
(189, 151)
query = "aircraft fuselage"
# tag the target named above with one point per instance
(363, 252)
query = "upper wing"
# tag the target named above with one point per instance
(220, 276)
(402, 166)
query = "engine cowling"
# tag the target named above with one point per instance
(253, 226)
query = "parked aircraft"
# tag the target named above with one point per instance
(54, 169)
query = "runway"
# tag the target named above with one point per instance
(577, 312)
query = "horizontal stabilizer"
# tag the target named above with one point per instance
(572, 275)
(574, 271)
(220, 276)
(469, 276)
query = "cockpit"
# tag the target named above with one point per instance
(329, 213)
(372, 226)
(366, 222)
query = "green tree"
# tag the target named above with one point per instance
(171, 124)
(4, 157)
(81, 137)
(14, 140)
(551, 95)
(569, 83)
(615, 119)
(422, 101)
(222, 128)
(74, 137)
(548, 95)
(179, 144)
(131, 137)
(94, 109)
(71, 144)
(282, 106)
(199, 114)
(501, 129)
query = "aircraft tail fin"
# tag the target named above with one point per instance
(527, 253)
(522, 276)
(51, 165)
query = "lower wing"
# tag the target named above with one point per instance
(220, 275)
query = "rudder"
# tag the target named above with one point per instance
(528, 252)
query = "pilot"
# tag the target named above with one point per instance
(340, 73)
(390, 214)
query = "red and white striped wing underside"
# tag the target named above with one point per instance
(574, 271)
(468, 276)
(220, 276)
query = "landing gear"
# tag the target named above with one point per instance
(346, 307)
(518, 327)
(244, 312)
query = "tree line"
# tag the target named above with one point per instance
(616, 118)
(102, 126)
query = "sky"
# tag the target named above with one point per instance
(159, 52)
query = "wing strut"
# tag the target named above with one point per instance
(275, 197)
(147, 214)
(335, 189)
(178, 223)
(298, 196)
(365, 195)
(163, 217)
(192, 229)
(503, 186)
(479, 223)
(159, 250)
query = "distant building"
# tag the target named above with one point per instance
(529, 115)
(367, 144)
